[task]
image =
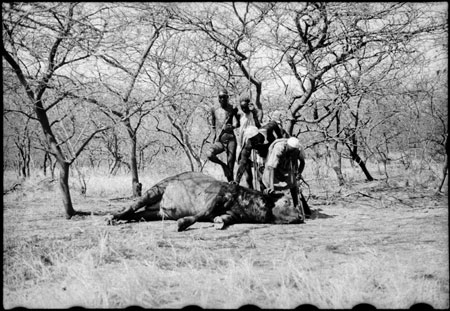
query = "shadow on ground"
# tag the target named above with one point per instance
(317, 214)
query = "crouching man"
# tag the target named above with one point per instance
(285, 163)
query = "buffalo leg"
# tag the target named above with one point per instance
(215, 208)
(222, 221)
(185, 222)
(125, 215)
(149, 200)
(147, 215)
(129, 213)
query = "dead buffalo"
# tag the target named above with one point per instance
(190, 197)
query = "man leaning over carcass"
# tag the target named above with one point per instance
(285, 163)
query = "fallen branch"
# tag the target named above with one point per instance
(122, 198)
(360, 193)
(13, 188)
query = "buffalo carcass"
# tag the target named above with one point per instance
(190, 197)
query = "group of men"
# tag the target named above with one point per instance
(275, 156)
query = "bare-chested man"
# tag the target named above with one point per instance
(224, 138)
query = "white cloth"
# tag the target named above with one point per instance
(246, 120)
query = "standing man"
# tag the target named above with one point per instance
(248, 116)
(285, 163)
(224, 138)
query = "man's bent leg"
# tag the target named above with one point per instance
(212, 153)
(249, 176)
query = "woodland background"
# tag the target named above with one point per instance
(125, 87)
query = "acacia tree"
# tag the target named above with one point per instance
(232, 28)
(128, 46)
(321, 46)
(401, 96)
(19, 127)
(20, 132)
(181, 88)
(316, 39)
(23, 143)
(112, 142)
(41, 41)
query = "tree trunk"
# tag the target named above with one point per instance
(115, 167)
(141, 165)
(445, 167)
(336, 162)
(28, 157)
(52, 169)
(361, 163)
(25, 157)
(50, 165)
(60, 159)
(64, 187)
(35, 99)
(444, 174)
(135, 184)
(22, 170)
(46, 156)
(297, 104)
(336, 158)
(194, 161)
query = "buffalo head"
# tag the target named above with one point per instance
(283, 209)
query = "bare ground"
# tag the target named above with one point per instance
(356, 231)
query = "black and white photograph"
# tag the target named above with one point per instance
(225, 155)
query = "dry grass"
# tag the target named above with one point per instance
(110, 274)
(360, 250)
